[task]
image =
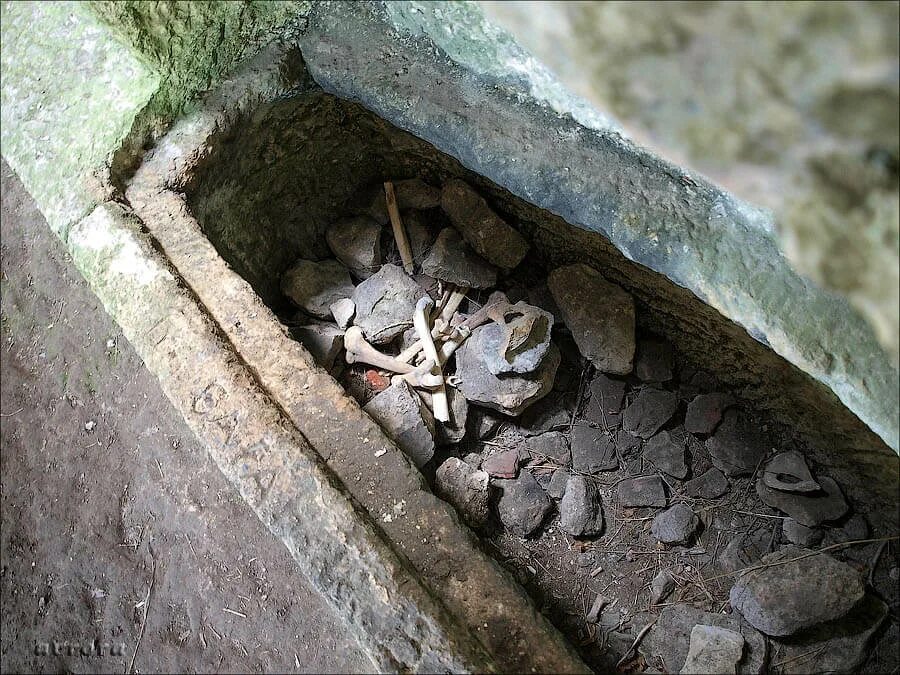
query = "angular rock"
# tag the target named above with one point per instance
(553, 445)
(654, 361)
(704, 412)
(665, 451)
(412, 193)
(799, 534)
(356, 242)
(430, 285)
(788, 471)
(466, 488)
(473, 459)
(649, 411)
(405, 419)
(854, 529)
(592, 450)
(744, 550)
(782, 599)
(600, 316)
(522, 341)
(452, 260)
(523, 506)
(421, 236)
(642, 491)
(580, 511)
(709, 485)
(314, 286)
(809, 508)
(626, 443)
(482, 424)
(737, 446)
(455, 430)
(509, 394)
(343, 311)
(546, 415)
(605, 405)
(385, 303)
(557, 486)
(322, 340)
(713, 650)
(675, 525)
(540, 296)
(661, 587)
(490, 236)
(504, 464)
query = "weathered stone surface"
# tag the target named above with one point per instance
(465, 487)
(744, 550)
(605, 405)
(650, 410)
(556, 488)
(704, 412)
(580, 511)
(654, 361)
(540, 296)
(810, 508)
(356, 242)
(785, 598)
(642, 491)
(509, 394)
(490, 236)
(553, 445)
(799, 534)
(420, 234)
(661, 587)
(599, 314)
(709, 485)
(713, 650)
(548, 414)
(403, 416)
(454, 431)
(323, 341)
(481, 423)
(592, 449)
(524, 340)
(503, 464)
(665, 451)
(854, 529)
(451, 259)
(385, 303)
(524, 505)
(343, 311)
(411, 193)
(788, 471)
(675, 525)
(737, 446)
(314, 286)
(626, 443)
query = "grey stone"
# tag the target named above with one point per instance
(451, 259)
(385, 303)
(605, 405)
(428, 284)
(580, 511)
(406, 420)
(490, 236)
(556, 488)
(356, 242)
(466, 488)
(810, 508)
(553, 445)
(854, 529)
(642, 491)
(786, 597)
(510, 394)
(503, 464)
(322, 340)
(799, 534)
(473, 459)
(737, 446)
(665, 451)
(675, 525)
(343, 311)
(661, 587)
(420, 234)
(600, 316)
(314, 286)
(709, 485)
(788, 471)
(546, 415)
(654, 361)
(522, 341)
(540, 296)
(411, 193)
(650, 410)
(523, 506)
(626, 443)
(454, 431)
(713, 650)
(481, 423)
(592, 449)
(744, 550)
(704, 412)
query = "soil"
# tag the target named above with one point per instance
(117, 527)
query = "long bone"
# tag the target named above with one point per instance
(360, 351)
(452, 304)
(420, 321)
(421, 376)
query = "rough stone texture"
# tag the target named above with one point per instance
(314, 286)
(708, 485)
(524, 505)
(665, 451)
(343, 311)
(786, 598)
(452, 260)
(453, 431)
(744, 550)
(675, 525)
(420, 233)
(580, 511)
(592, 449)
(503, 464)
(411, 193)
(546, 415)
(482, 424)
(486, 232)
(788, 471)
(356, 242)
(599, 314)
(552, 445)
(799, 534)
(466, 488)
(713, 650)
(737, 446)
(661, 587)
(605, 405)
(385, 304)
(811, 508)
(704, 412)
(654, 361)
(556, 488)
(523, 340)
(649, 411)
(324, 342)
(854, 529)
(642, 491)
(404, 417)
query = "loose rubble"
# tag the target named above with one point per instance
(385, 303)
(736, 448)
(314, 286)
(580, 512)
(356, 242)
(713, 650)
(452, 260)
(642, 491)
(649, 411)
(404, 417)
(524, 505)
(665, 451)
(467, 488)
(675, 525)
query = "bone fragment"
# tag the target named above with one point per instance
(420, 321)
(358, 350)
(397, 226)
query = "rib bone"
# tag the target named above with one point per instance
(360, 351)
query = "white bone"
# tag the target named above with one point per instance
(358, 350)
(420, 321)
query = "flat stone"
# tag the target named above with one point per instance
(523, 506)
(385, 303)
(466, 488)
(322, 340)
(711, 484)
(855, 528)
(627, 444)
(782, 599)
(642, 491)
(580, 511)
(553, 445)
(490, 236)
(509, 394)
(523, 342)
(546, 415)
(704, 412)
(649, 411)
(452, 260)
(592, 449)
(600, 316)
(314, 286)
(737, 446)
(504, 464)
(482, 424)
(605, 405)
(809, 508)
(713, 650)
(343, 312)
(675, 525)
(654, 361)
(799, 534)
(556, 488)
(788, 471)
(744, 550)
(661, 587)
(406, 420)
(665, 451)
(356, 242)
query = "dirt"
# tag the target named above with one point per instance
(120, 535)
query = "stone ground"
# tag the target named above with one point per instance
(110, 510)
